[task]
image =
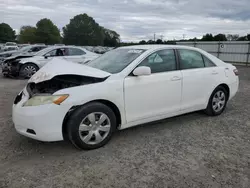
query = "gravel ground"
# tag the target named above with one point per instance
(192, 150)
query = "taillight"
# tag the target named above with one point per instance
(236, 72)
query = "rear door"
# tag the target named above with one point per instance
(76, 55)
(200, 77)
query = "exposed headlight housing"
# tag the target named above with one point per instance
(45, 99)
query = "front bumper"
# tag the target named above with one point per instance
(42, 122)
(11, 68)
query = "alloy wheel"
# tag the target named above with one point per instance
(29, 70)
(219, 101)
(94, 128)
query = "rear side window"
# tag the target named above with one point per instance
(208, 62)
(56, 52)
(35, 49)
(190, 59)
(75, 51)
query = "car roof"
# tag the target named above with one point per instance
(159, 46)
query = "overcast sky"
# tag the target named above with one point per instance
(137, 19)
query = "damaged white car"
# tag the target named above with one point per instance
(123, 88)
(29, 65)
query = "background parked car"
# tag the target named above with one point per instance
(10, 48)
(27, 66)
(25, 51)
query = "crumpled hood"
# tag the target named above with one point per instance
(9, 52)
(19, 55)
(62, 67)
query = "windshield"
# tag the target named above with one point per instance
(10, 44)
(25, 49)
(44, 51)
(116, 60)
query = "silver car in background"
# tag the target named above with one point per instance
(26, 67)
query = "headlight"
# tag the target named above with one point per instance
(41, 100)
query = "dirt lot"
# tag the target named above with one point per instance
(193, 150)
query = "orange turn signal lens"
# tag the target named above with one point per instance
(60, 99)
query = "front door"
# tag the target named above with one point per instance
(156, 94)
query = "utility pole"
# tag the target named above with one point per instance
(184, 36)
(154, 37)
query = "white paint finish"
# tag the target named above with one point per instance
(140, 99)
(40, 60)
(45, 120)
(152, 95)
(142, 71)
(197, 86)
(110, 90)
(60, 67)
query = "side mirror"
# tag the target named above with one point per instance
(46, 56)
(142, 71)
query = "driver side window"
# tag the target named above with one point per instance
(160, 61)
(56, 52)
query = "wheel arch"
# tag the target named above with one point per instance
(226, 88)
(108, 103)
(31, 63)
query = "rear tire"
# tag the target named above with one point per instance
(91, 126)
(28, 70)
(217, 101)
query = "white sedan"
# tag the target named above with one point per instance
(26, 67)
(120, 89)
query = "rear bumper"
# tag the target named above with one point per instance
(233, 89)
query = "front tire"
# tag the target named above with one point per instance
(91, 126)
(28, 70)
(217, 101)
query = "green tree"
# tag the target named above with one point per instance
(248, 37)
(7, 34)
(159, 41)
(47, 32)
(242, 38)
(207, 37)
(111, 38)
(27, 34)
(151, 42)
(220, 37)
(143, 42)
(83, 30)
(231, 37)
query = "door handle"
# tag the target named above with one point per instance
(214, 72)
(175, 78)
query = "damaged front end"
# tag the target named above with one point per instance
(60, 82)
(11, 67)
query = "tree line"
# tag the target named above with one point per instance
(206, 37)
(83, 30)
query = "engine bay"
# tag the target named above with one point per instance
(60, 82)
